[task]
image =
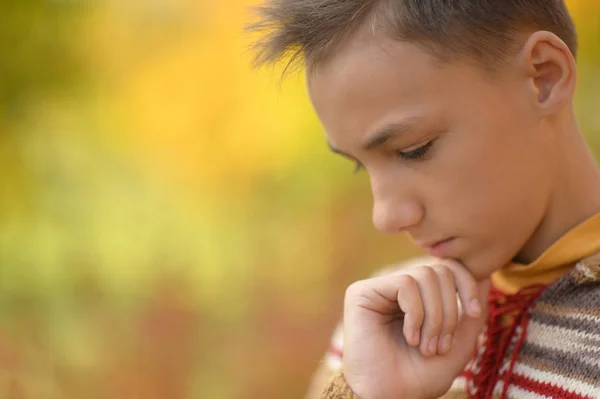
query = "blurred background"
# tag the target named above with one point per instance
(172, 224)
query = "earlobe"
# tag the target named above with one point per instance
(550, 67)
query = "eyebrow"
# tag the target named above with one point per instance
(383, 135)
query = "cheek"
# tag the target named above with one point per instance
(481, 180)
(496, 199)
(465, 171)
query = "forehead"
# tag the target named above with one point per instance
(372, 57)
(373, 80)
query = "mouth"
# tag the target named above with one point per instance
(438, 249)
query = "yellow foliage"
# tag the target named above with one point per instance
(197, 110)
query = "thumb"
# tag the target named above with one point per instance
(469, 328)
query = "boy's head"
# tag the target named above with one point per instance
(455, 108)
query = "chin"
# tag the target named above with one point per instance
(481, 267)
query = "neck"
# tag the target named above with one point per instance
(575, 195)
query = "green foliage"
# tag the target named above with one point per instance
(38, 56)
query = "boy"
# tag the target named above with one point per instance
(461, 113)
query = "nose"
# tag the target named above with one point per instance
(395, 211)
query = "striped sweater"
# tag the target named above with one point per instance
(554, 350)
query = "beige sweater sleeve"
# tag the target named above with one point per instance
(337, 388)
(329, 365)
(319, 381)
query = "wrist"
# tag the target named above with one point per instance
(360, 391)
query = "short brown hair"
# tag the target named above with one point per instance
(485, 30)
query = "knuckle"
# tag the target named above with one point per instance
(409, 297)
(356, 289)
(408, 288)
(426, 273)
(407, 282)
(443, 271)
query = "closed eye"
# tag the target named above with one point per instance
(416, 155)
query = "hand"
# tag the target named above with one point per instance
(405, 335)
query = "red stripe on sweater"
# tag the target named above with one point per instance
(545, 388)
(541, 388)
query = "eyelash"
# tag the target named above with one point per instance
(415, 155)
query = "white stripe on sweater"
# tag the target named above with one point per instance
(545, 332)
(570, 384)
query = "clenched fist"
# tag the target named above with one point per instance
(406, 335)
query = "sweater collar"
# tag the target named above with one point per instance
(578, 243)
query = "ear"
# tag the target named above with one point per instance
(551, 71)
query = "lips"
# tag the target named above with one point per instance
(440, 249)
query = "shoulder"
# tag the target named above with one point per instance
(587, 271)
(580, 288)
(569, 308)
(574, 299)
(563, 335)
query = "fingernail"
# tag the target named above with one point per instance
(475, 307)
(433, 344)
(445, 344)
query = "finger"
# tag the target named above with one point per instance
(466, 285)
(380, 299)
(469, 328)
(449, 307)
(411, 303)
(429, 286)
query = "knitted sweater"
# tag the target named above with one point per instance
(552, 349)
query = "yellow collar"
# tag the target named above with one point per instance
(578, 243)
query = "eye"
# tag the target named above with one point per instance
(415, 155)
